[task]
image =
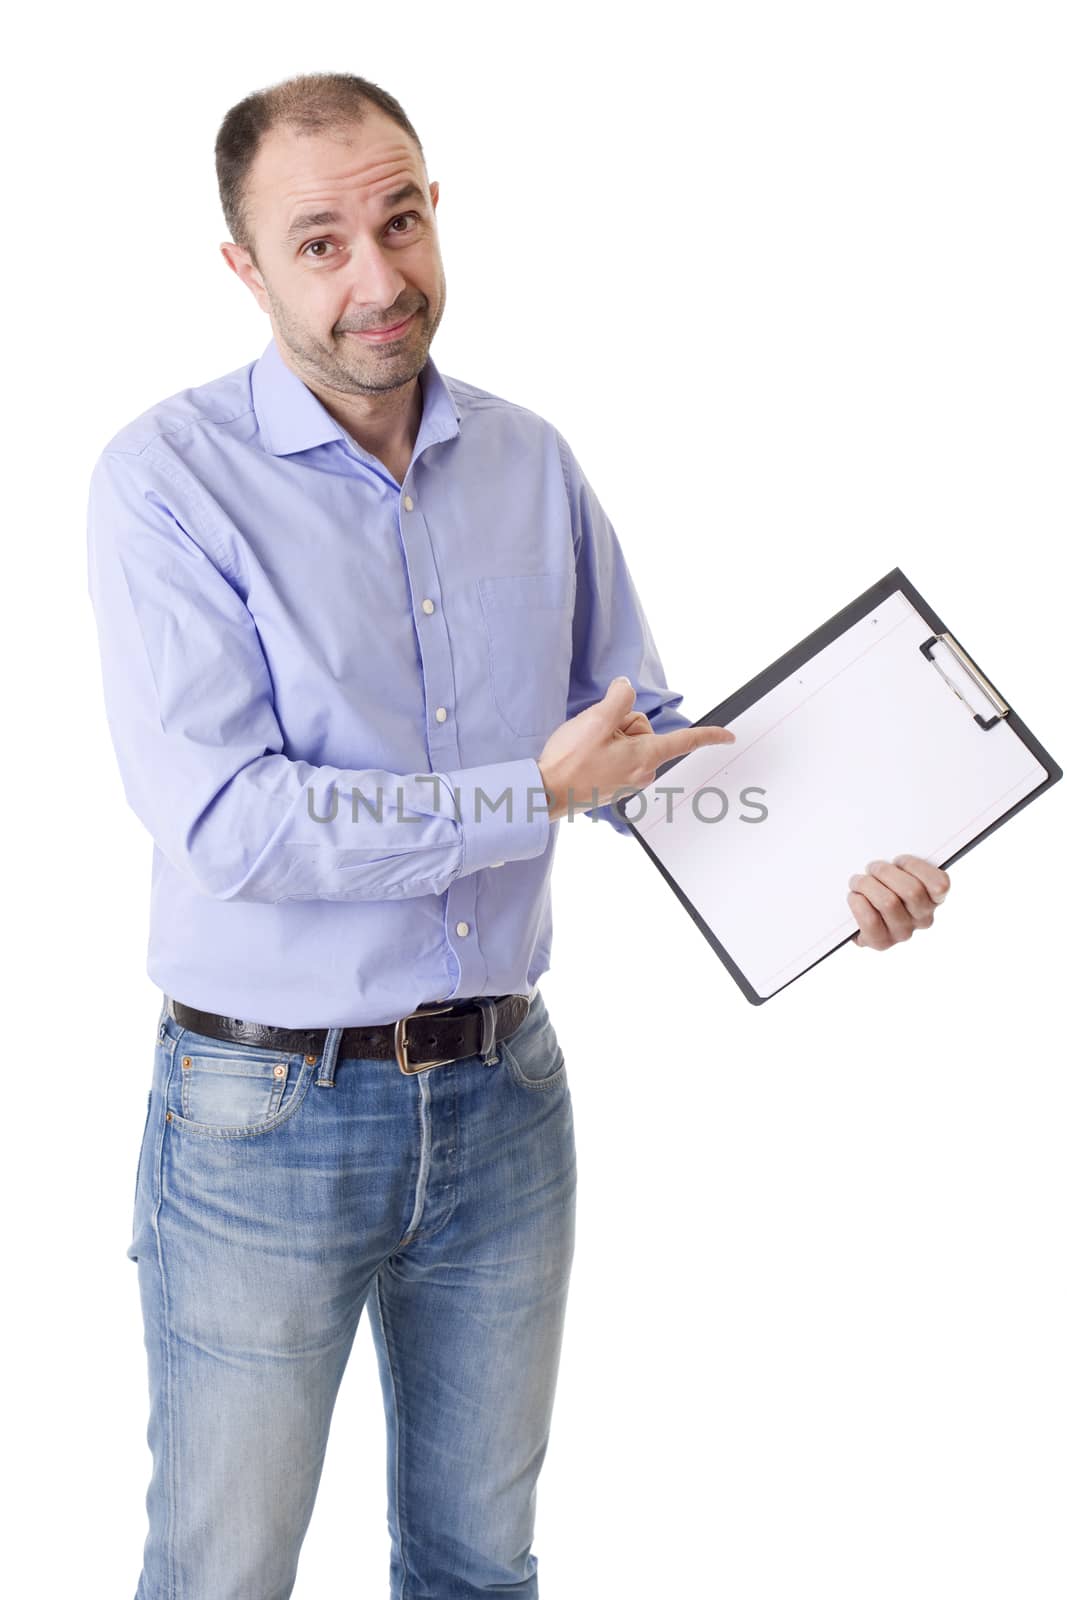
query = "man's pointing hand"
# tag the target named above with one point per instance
(609, 750)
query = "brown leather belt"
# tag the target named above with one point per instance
(438, 1032)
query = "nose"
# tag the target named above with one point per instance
(377, 283)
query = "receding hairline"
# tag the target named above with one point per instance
(326, 217)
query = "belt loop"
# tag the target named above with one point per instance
(329, 1058)
(487, 1049)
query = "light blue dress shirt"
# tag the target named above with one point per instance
(281, 624)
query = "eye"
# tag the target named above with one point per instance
(317, 255)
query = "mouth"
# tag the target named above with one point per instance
(383, 335)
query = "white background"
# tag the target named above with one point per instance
(790, 278)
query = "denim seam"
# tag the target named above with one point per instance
(419, 1234)
(401, 1510)
(169, 1430)
(141, 1149)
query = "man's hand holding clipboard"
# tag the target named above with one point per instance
(893, 898)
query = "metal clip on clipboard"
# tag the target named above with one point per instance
(981, 682)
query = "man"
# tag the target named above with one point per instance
(343, 602)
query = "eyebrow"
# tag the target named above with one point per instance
(308, 220)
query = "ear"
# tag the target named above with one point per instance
(434, 192)
(239, 260)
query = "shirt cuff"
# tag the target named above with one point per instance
(507, 820)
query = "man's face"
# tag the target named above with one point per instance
(373, 261)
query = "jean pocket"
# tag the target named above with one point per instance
(230, 1090)
(532, 1053)
(528, 629)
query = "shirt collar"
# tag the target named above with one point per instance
(292, 418)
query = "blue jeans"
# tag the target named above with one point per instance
(276, 1194)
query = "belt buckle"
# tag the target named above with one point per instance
(400, 1039)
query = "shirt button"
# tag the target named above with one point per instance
(427, 606)
(462, 928)
(409, 504)
(440, 713)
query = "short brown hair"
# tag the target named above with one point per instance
(311, 102)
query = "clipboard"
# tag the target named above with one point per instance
(877, 723)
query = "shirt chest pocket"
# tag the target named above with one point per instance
(527, 620)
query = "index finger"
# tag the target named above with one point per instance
(679, 741)
(934, 879)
